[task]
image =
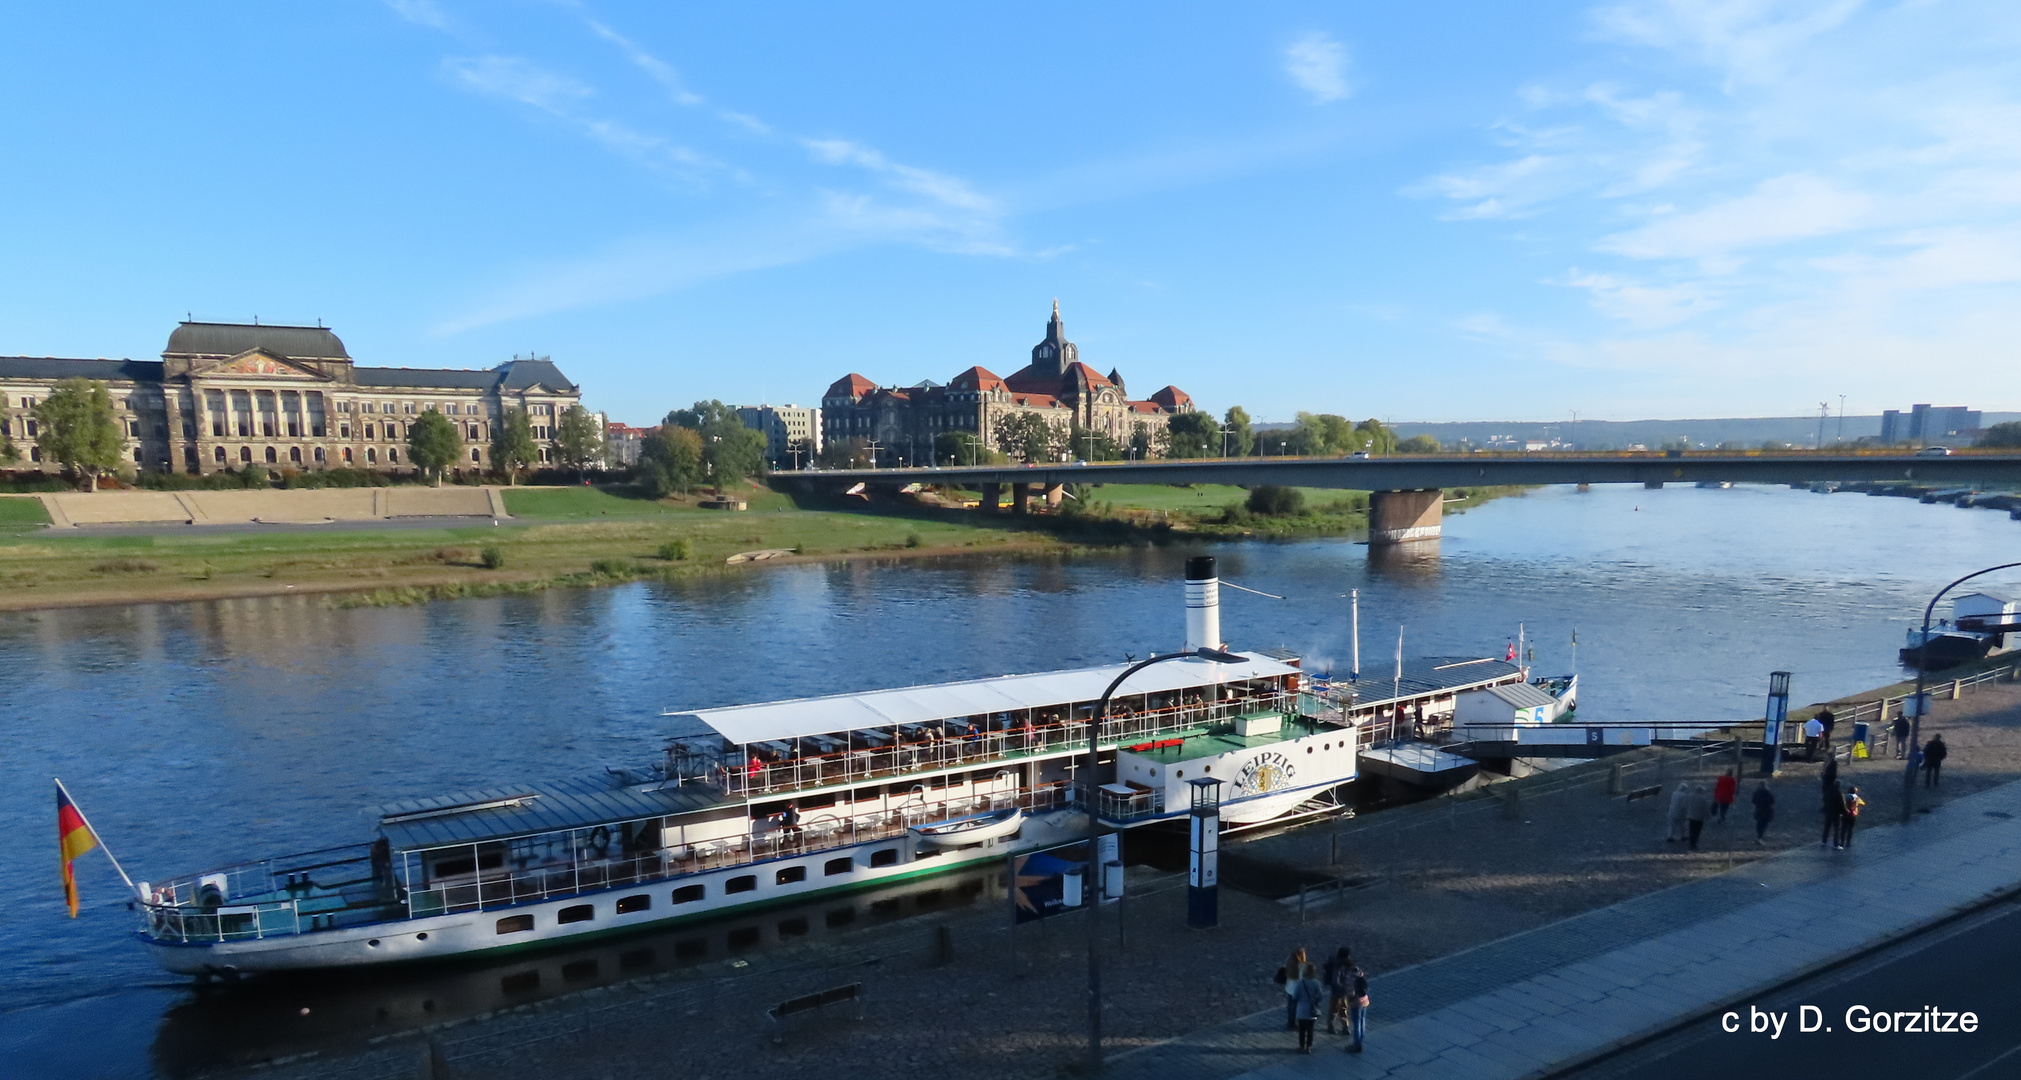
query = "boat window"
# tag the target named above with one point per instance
(688, 894)
(838, 866)
(629, 904)
(513, 924)
(578, 913)
(791, 874)
(885, 857)
(741, 884)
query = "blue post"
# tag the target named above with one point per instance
(1778, 711)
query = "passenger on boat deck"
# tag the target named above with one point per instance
(756, 766)
(790, 820)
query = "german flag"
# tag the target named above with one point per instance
(74, 836)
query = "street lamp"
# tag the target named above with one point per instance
(1096, 831)
(1921, 700)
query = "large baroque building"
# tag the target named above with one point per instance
(902, 422)
(227, 395)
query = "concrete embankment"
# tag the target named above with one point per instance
(77, 508)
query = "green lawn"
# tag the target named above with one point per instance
(1201, 497)
(22, 510)
(589, 503)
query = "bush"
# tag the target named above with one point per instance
(492, 558)
(675, 550)
(125, 566)
(912, 540)
(1275, 501)
(611, 568)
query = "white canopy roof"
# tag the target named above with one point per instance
(744, 724)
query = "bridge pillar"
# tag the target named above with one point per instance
(1055, 494)
(1020, 498)
(992, 498)
(1398, 517)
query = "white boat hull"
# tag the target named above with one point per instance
(944, 837)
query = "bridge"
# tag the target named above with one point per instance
(1407, 492)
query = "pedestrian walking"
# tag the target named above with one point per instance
(1813, 730)
(1337, 978)
(1830, 775)
(1357, 1006)
(1826, 721)
(1680, 800)
(1764, 811)
(1900, 730)
(1723, 791)
(1696, 809)
(1851, 817)
(1308, 997)
(1287, 980)
(1834, 809)
(1934, 753)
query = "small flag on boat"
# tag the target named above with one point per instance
(1511, 658)
(74, 836)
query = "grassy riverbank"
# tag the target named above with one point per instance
(579, 537)
(584, 536)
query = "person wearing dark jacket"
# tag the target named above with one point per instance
(1357, 1006)
(1827, 721)
(1764, 811)
(1934, 753)
(1338, 976)
(1900, 731)
(1696, 809)
(1834, 808)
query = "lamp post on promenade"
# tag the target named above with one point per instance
(1093, 893)
(1921, 700)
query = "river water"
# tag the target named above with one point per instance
(200, 734)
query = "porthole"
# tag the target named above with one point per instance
(422, 936)
(374, 943)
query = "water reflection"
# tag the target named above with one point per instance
(1414, 561)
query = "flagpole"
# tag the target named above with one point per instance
(94, 833)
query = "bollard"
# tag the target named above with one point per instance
(943, 945)
(1614, 785)
(1301, 905)
(1957, 689)
(1512, 802)
(1333, 856)
(432, 1066)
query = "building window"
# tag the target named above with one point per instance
(629, 904)
(747, 883)
(273, 455)
(319, 455)
(370, 430)
(393, 455)
(343, 431)
(885, 857)
(392, 432)
(577, 913)
(136, 456)
(371, 456)
(791, 874)
(133, 428)
(410, 408)
(514, 924)
(295, 454)
(688, 894)
(246, 454)
(30, 422)
(838, 866)
(347, 455)
(35, 453)
(218, 453)
(476, 456)
(450, 408)
(471, 432)
(365, 406)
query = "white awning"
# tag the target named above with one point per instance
(745, 724)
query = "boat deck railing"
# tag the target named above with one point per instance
(761, 777)
(272, 897)
(816, 835)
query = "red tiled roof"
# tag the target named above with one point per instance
(1047, 401)
(850, 385)
(976, 378)
(1172, 398)
(1146, 407)
(1095, 378)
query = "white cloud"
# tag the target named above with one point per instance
(1747, 40)
(1318, 64)
(517, 79)
(1638, 303)
(1780, 209)
(421, 12)
(943, 189)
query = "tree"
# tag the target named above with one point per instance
(1276, 501)
(7, 451)
(1192, 435)
(433, 444)
(963, 448)
(1091, 445)
(1419, 444)
(512, 446)
(1026, 436)
(2001, 435)
(849, 453)
(1146, 442)
(578, 439)
(1241, 437)
(730, 451)
(670, 461)
(1373, 436)
(79, 429)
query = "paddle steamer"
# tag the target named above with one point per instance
(777, 802)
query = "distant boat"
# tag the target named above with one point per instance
(1722, 485)
(973, 829)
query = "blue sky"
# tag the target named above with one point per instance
(1411, 211)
